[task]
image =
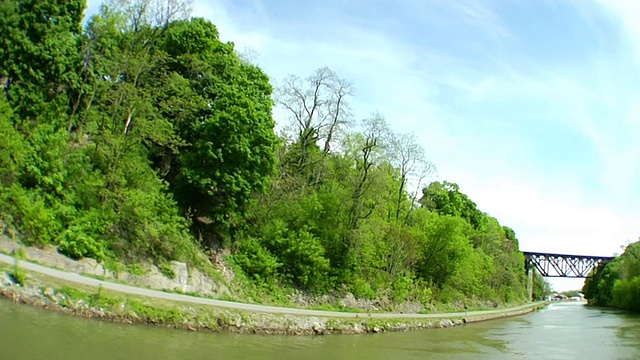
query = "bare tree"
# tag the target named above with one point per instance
(408, 156)
(317, 106)
(155, 13)
(166, 11)
(248, 55)
(375, 130)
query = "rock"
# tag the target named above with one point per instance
(357, 328)
(408, 307)
(181, 273)
(376, 329)
(5, 279)
(459, 322)
(317, 328)
(31, 291)
(186, 279)
(68, 302)
(446, 323)
(350, 301)
(50, 294)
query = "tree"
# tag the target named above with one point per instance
(616, 283)
(541, 286)
(443, 246)
(151, 13)
(446, 198)
(220, 107)
(39, 52)
(408, 156)
(369, 145)
(317, 106)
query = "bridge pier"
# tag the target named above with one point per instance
(530, 282)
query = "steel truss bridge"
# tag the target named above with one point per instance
(562, 265)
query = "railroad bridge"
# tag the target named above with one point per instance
(562, 265)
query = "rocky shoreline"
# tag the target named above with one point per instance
(127, 309)
(111, 306)
(52, 293)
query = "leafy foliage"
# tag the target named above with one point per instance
(228, 134)
(351, 208)
(98, 118)
(616, 283)
(144, 137)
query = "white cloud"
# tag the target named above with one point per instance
(550, 210)
(626, 11)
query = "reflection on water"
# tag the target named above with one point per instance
(560, 331)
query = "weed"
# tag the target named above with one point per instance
(155, 314)
(136, 269)
(331, 307)
(166, 270)
(101, 300)
(19, 253)
(113, 265)
(18, 275)
(73, 293)
(97, 277)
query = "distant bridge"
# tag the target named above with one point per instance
(562, 265)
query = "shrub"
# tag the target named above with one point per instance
(18, 275)
(255, 260)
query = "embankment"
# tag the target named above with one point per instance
(71, 293)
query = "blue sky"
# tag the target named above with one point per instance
(532, 107)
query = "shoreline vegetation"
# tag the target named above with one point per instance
(616, 283)
(52, 293)
(142, 149)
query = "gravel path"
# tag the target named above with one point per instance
(79, 279)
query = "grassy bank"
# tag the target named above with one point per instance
(52, 293)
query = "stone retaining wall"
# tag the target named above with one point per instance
(187, 280)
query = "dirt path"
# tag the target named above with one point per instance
(79, 279)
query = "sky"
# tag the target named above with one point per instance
(532, 107)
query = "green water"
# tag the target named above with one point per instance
(561, 331)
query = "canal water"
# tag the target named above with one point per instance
(560, 331)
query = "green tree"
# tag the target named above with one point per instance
(541, 286)
(444, 245)
(616, 283)
(445, 198)
(226, 124)
(39, 54)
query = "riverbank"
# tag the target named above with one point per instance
(52, 289)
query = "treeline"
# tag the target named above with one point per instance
(118, 137)
(143, 136)
(540, 287)
(616, 283)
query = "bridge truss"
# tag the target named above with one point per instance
(562, 265)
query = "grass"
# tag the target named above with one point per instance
(98, 277)
(166, 270)
(188, 293)
(243, 288)
(18, 275)
(19, 253)
(136, 269)
(72, 292)
(337, 308)
(134, 308)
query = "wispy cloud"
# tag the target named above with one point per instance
(482, 17)
(542, 137)
(626, 11)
